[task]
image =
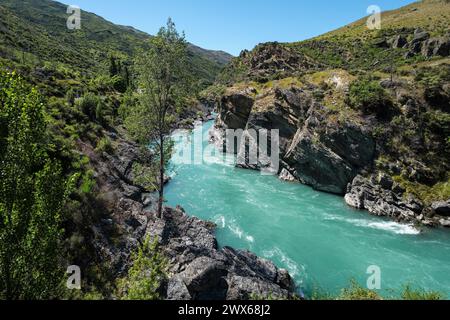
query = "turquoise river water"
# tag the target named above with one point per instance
(322, 242)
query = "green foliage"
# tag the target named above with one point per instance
(89, 105)
(213, 93)
(32, 193)
(104, 145)
(128, 103)
(87, 182)
(410, 294)
(370, 97)
(164, 85)
(427, 194)
(147, 274)
(36, 32)
(356, 292)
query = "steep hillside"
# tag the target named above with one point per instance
(408, 35)
(362, 113)
(36, 30)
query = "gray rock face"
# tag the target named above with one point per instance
(381, 197)
(235, 109)
(317, 165)
(442, 208)
(324, 155)
(285, 175)
(399, 41)
(436, 47)
(199, 270)
(422, 43)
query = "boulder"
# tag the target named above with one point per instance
(441, 208)
(177, 290)
(385, 181)
(381, 43)
(436, 47)
(399, 41)
(201, 271)
(420, 36)
(367, 193)
(205, 278)
(285, 175)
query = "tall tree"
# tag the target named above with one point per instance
(32, 190)
(163, 86)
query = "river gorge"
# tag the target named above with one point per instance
(322, 242)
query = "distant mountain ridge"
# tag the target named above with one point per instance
(38, 27)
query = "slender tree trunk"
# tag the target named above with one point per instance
(161, 176)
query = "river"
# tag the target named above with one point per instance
(322, 243)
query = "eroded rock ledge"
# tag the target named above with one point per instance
(383, 197)
(200, 270)
(324, 154)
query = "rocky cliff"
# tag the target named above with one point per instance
(360, 113)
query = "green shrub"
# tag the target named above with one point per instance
(87, 182)
(356, 292)
(88, 104)
(104, 145)
(419, 294)
(147, 274)
(370, 97)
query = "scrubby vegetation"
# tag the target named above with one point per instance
(355, 292)
(147, 274)
(370, 97)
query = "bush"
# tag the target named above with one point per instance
(89, 105)
(104, 145)
(147, 274)
(370, 97)
(119, 84)
(356, 292)
(419, 294)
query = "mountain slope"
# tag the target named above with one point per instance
(38, 27)
(352, 47)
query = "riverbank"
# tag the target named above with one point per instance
(199, 269)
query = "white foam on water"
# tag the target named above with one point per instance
(223, 223)
(294, 269)
(391, 226)
(220, 221)
(398, 228)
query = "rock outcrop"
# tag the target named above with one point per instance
(326, 155)
(382, 197)
(199, 270)
(421, 43)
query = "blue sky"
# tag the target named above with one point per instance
(234, 25)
